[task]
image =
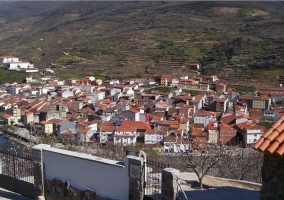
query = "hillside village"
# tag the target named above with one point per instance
(123, 112)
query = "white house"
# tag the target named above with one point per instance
(161, 104)
(66, 93)
(106, 134)
(152, 82)
(9, 119)
(197, 103)
(125, 136)
(170, 144)
(35, 92)
(18, 66)
(115, 81)
(94, 127)
(271, 113)
(45, 78)
(13, 90)
(91, 78)
(251, 132)
(7, 59)
(252, 135)
(85, 134)
(99, 95)
(203, 117)
(128, 91)
(105, 117)
(43, 90)
(174, 82)
(87, 88)
(153, 136)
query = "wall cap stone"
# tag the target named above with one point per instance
(85, 156)
(172, 170)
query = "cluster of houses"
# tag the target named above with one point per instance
(13, 63)
(199, 83)
(122, 112)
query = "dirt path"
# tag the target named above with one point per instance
(216, 188)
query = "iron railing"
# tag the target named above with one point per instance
(153, 178)
(16, 172)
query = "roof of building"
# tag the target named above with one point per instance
(137, 124)
(107, 128)
(272, 141)
(6, 116)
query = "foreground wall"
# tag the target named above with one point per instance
(62, 174)
(272, 177)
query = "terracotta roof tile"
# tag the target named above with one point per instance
(107, 128)
(280, 150)
(273, 140)
(6, 116)
(137, 124)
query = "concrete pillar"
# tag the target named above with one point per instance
(40, 198)
(38, 171)
(169, 184)
(136, 177)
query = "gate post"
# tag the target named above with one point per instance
(38, 172)
(136, 178)
(169, 184)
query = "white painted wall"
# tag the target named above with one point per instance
(153, 138)
(6, 59)
(107, 178)
(17, 65)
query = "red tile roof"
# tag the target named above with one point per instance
(137, 124)
(80, 123)
(6, 116)
(107, 128)
(84, 130)
(67, 132)
(196, 131)
(45, 122)
(272, 141)
(154, 131)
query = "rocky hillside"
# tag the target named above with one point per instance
(135, 38)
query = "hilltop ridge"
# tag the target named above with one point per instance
(147, 37)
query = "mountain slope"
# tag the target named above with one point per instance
(133, 38)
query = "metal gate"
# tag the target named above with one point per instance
(153, 178)
(16, 172)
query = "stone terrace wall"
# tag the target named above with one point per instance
(272, 177)
(59, 190)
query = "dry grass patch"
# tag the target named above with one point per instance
(257, 13)
(225, 10)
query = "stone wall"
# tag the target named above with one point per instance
(58, 190)
(169, 184)
(272, 177)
